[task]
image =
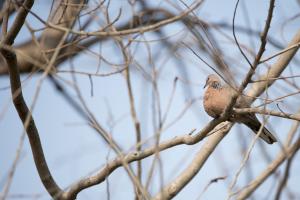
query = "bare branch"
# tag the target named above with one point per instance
(20, 105)
(269, 170)
(268, 112)
(276, 69)
(170, 190)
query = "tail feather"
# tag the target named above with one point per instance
(255, 125)
(267, 136)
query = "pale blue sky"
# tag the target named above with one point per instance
(73, 150)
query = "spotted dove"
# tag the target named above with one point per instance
(217, 97)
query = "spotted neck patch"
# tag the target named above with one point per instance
(216, 85)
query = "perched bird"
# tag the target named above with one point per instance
(217, 97)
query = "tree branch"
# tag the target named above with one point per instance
(267, 112)
(172, 189)
(277, 68)
(285, 154)
(20, 104)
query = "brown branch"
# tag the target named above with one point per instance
(173, 188)
(134, 156)
(276, 69)
(256, 90)
(18, 23)
(144, 17)
(285, 154)
(267, 112)
(226, 113)
(51, 36)
(280, 52)
(4, 17)
(257, 57)
(109, 140)
(20, 104)
(287, 144)
(7, 8)
(65, 16)
(142, 29)
(286, 176)
(134, 117)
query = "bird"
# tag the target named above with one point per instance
(218, 96)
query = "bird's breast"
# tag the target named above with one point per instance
(215, 101)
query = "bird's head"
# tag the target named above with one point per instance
(213, 81)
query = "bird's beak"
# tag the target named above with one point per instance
(205, 84)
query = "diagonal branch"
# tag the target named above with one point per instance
(184, 178)
(285, 154)
(276, 69)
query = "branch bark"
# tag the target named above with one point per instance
(184, 178)
(268, 112)
(64, 14)
(284, 59)
(268, 171)
(20, 104)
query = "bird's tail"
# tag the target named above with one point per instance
(265, 134)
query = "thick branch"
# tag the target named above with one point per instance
(20, 105)
(65, 15)
(276, 69)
